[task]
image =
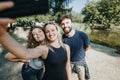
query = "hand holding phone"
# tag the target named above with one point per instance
(26, 8)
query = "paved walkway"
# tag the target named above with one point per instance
(103, 62)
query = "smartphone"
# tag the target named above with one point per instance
(26, 8)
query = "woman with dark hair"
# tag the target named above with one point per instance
(32, 69)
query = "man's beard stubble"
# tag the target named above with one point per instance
(66, 32)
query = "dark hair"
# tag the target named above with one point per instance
(31, 42)
(65, 16)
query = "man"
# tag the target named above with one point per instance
(79, 43)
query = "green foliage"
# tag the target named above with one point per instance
(38, 18)
(59, 6)
(77, 17)
(56, 8)
(105, 12)
(107, 38)
(110, 11)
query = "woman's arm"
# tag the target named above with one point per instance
(3, 6)
(18, 49)
(68, 67)
(11, 44)
(13, 58)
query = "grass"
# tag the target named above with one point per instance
(108, 38)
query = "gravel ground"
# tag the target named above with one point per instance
(103, 62)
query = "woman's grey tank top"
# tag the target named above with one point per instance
(36, 63)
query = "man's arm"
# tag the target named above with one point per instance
(87, 48)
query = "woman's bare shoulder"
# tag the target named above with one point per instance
(43, 49)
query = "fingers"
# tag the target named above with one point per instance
(5, 5)
(6, 20)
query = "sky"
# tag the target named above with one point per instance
(78, 5)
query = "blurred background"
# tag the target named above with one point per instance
(100, 19)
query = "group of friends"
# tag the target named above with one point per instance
(48, 55)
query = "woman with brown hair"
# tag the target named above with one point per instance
(56, 54)
(32, 69)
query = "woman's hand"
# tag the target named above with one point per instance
(4, 21)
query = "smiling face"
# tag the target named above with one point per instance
(51, 32)
(38, 35)
(66, 25)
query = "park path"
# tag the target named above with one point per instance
(103, 62)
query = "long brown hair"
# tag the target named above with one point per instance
(31, 42)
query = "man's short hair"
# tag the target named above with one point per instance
(65, 16)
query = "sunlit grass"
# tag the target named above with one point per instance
(107, 38)
(104, 37)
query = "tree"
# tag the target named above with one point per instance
(59, 6)
(110, 11)
(105, 12)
